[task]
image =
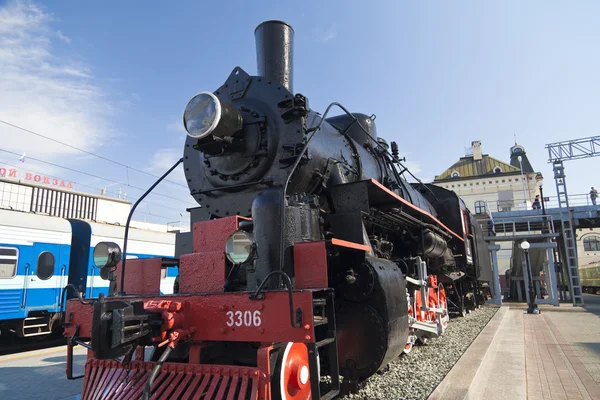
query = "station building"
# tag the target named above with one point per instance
(487, 185)
(25, 191)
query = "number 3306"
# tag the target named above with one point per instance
(246, 318)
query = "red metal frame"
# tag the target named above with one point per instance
(107, 379)
(223, 316)
(204, 270)
(310, 265)
(203, 313)
(142, 276)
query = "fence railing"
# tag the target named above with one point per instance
(524, 224)
(527, 204)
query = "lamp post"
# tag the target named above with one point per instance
(523, 181)
(532, 307)
(540, 184)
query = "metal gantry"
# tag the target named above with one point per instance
(574, 149)
(557, 153)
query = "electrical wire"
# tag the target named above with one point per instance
(87, 152)
(95, 176)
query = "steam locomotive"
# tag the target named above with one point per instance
(310, 255)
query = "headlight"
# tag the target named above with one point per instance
(239, 247)
(107, 255)
(206, 115)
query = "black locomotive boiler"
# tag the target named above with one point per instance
(310, 254)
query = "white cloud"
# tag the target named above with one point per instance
(44, 93)
(164, 159)
(327, 35)
(63, 37)
(177, 127)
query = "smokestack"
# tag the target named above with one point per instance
(274, 52)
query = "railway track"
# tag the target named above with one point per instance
(14, 345)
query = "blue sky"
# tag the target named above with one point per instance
(114, 78)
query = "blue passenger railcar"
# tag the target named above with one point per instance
(34, 267)
(142, 243)
(40, 255)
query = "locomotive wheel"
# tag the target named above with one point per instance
(291, 375)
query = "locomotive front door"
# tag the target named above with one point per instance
(47, 275)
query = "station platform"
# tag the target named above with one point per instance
(552, 355)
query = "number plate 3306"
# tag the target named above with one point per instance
(243, 318)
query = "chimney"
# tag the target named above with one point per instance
(274, 52)
(477, 155)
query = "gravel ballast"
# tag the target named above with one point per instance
(416, 375)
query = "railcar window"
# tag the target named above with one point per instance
(591, 243)
(45, 265)
(8, 262)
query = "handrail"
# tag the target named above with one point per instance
(535, 223)
(520, 204)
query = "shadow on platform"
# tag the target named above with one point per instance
(42, 378)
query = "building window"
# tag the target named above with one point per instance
(455, 174)
(479, 207)
(8, 262)
(591, 243)
(497, 170)
(45, 266)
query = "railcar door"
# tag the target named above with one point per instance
(47, 276)
(13, 263)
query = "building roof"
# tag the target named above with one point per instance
(467, 167)
(517, 151)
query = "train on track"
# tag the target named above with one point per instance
(311, 256)
(590, 277)
(41, 254)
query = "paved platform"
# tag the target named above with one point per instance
(553, 355)
(40, 374)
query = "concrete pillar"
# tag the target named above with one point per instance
(495, 283)
(551, 278)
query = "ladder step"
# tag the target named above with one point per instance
(34, 318)
(36, 334)
(318, 320)
(324, 342)
(319, 302)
